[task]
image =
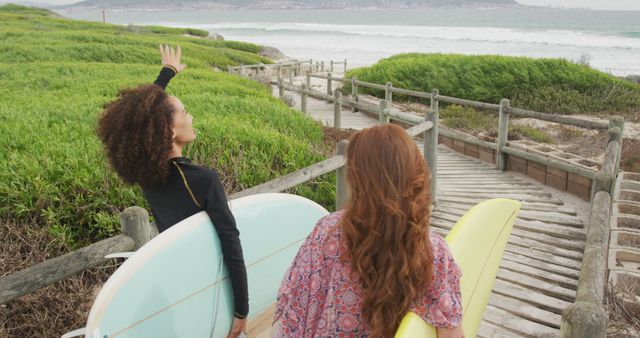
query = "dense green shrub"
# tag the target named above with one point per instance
(548, 85)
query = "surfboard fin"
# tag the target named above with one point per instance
(75, 333)
(125, 254)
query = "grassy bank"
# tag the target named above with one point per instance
(547, 85)
(58, 73)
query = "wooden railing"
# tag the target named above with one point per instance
(385, 111)
(586, 317)
(135, 229)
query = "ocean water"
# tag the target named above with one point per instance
(608, 40)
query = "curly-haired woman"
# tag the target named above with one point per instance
(144, 132)
(364, 267)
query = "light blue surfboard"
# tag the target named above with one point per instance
(174, 286)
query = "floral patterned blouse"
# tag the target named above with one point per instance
(320, 298)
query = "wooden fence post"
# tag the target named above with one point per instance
(258, 67)
(281, 88)
(337, 109)
(383, 117)
(503, 133)
(388, 93)
(354, 93)
(279, 69)
(329, 89)
(310, 66)
(341, 177)
(331, 67)
(308, 80)
(617, 121)
(290, 74)
(303, 98)
(345, 66)
(134, 223)
(322, 66)
(430, 140)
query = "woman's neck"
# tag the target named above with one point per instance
(176, 150)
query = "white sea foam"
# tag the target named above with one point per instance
(477, 34)
(606, 40)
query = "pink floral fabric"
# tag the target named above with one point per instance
(319, 297)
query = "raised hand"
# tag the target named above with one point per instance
(171, 57)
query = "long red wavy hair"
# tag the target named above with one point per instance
(386, 224)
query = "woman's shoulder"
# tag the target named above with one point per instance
(196, 171)
(327, 227)
(439, 247)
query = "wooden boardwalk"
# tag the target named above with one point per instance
(539, 273)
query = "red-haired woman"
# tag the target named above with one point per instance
(143, 132)
(364, 267)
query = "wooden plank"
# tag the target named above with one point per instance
(565, 282)
(527, 243)
(62, 267)
(551, 217)
(526, 295)
(295, 178)
(532, 226)
(564, 243)
(558, 119)
(554, 208)
(261, 324)
(550, 289)
(540, 255)
(564, 276)
(527, 328)
(509, 195)
(489, 189)
(551, 229)
(474, 201)
(529, 240)
(525, 310)
(547, 217)
(488, 330)
(549, 162)
(542, 265)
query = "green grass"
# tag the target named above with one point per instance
(473, 121)
(468, 119)
(56, 75)
(532, 133)
(547, 85)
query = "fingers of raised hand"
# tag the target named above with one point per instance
(162, 54)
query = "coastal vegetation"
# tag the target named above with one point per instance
(553, 86)
(56, 76)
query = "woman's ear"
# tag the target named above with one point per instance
(173, 137)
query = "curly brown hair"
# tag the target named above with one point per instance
(136, 131)
(386, 224)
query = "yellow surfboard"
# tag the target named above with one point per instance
(477, 243)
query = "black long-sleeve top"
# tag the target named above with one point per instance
(174, 201)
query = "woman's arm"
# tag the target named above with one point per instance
(171, 65)
(217, 208)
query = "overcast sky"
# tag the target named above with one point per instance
(593, 4)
